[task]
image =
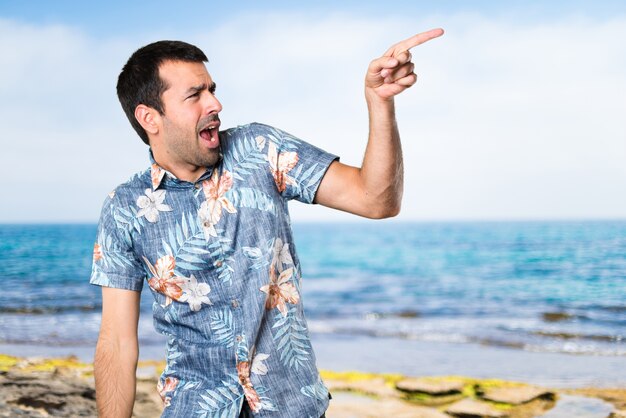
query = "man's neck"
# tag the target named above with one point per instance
(182, 171)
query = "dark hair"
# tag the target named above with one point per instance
(139, 81)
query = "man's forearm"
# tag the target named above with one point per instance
(382, 169)
(115, 368)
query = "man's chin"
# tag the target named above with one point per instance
(211, 157)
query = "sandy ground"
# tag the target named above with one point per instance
(38, 387)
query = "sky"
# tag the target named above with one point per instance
(518, 113)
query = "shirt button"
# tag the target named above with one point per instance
(218, 263)
(234, 303)
(197, 185)
(207, 224)
(239, 338)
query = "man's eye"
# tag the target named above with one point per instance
(196, 94)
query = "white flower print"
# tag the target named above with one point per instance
(195, 294)
(151, 204)
(209, 213)
(258, 367)
(281, 255)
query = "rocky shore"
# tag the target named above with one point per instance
(37, 387)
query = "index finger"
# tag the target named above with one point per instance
(413, 41)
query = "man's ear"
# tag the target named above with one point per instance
(148, 118)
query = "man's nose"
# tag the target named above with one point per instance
(212, 105)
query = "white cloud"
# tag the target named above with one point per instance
(508, 120)
(534, 121)
(61, 123)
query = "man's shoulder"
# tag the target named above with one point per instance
(249, 128)
(257, 135)
(242, 141)
(138, 182)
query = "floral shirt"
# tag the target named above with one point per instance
(219, 258)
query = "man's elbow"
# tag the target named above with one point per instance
(388, 210)
(393, 211)
(388, 204)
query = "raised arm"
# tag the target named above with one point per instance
(117, 351)
(375, 189)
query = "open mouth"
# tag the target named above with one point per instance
(210, 134)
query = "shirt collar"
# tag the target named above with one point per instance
(157, 173)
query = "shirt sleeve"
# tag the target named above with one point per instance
(297, 166)
(115, 264)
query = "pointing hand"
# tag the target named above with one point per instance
(393, 73)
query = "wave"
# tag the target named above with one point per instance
(505, 337)
(406, 314)
(592, 318)
(325, 328)
(612, 308)
(48, 341)
(47, 310)
(580, 336)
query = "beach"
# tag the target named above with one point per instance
(561, 385)
(64, 387)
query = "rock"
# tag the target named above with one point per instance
(29, 361)
(618, 414)
(408, 314)
(615, 396)
(350, 405)
(517, 395)
(557, 316)
(430, 386)
(469, 408)
(376, 387)
(62, 393)
(45, 393)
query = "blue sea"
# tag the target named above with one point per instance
(545, 287)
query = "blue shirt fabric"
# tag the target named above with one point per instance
(219, 257)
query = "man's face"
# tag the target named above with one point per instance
(190, 120)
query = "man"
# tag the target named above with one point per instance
(207, 225)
